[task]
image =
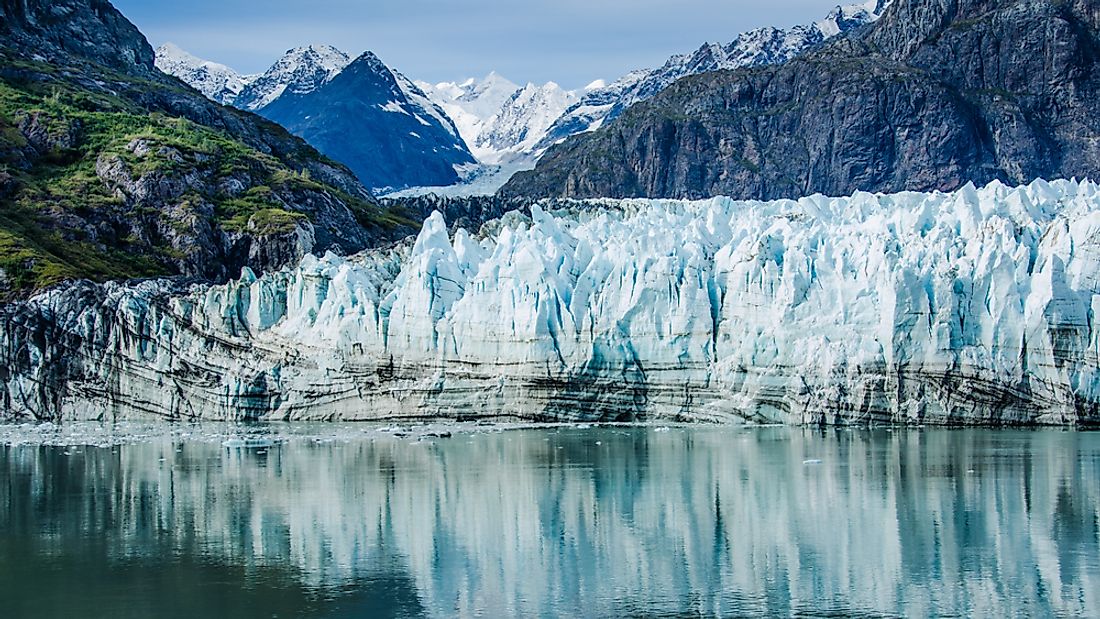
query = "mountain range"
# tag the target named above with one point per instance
(358, 111)
(499, 123)
(930, 97)
(763, 46)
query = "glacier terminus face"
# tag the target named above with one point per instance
(972, 307)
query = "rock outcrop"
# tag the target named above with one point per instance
(975, 307)
(60, 30)
(935, 94)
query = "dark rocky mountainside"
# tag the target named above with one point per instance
(59, 31)
(935, 94)
(110, 169)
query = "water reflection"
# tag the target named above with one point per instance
(596, 522)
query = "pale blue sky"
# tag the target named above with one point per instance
(569, 41)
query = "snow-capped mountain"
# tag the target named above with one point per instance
(216, 81)
(500, 123)
(300, 71)
(377, 122)
(506, 127)
(500, 120)
(363, 114)
(521, 122)
(509, 132)
(472, 102)
(757, 47)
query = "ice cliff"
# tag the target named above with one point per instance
(972, 307)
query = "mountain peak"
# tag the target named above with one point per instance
(370, 59)
(300, 71)
(522, 121)
(171, 49)
(216, 81)
(495, 78)
(326, 56)
(379, 123)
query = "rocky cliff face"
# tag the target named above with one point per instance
(60, 30)
(937, 93)
(114, 170)
(968, 308)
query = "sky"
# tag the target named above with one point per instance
(572, 42)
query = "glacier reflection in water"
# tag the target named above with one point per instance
(549, 522)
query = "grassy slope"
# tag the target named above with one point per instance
(38, 244)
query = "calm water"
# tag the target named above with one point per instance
(595, 522)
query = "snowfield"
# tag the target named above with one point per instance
(971, 307)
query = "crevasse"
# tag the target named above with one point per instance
(972, 307)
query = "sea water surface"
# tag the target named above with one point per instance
(362, 521)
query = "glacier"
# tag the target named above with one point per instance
(970, 307)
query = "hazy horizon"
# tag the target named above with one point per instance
(567, 41)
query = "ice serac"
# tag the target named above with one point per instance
(972, 307)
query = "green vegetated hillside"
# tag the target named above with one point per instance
(111, 170)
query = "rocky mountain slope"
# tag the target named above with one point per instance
(378, 123)
(110, 169)
(965, 308)
(505, 124)
(935, 94)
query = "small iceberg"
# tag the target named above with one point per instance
(252, 442)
